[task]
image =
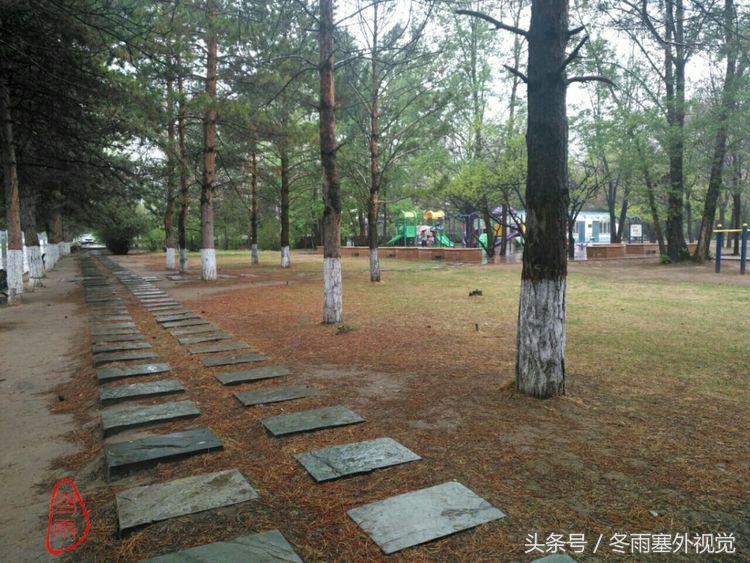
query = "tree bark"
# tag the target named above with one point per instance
(169, 234)
(736, 221)
(651, 197)
(540, 346)
(31, 236)
(54, 231)
(184, 191)
(333, 308)
(253, 206)
(14, 257)
(374, 199)
(720, 142)
(286, 260)
(208, 250)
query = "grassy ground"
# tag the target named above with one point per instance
(652, 436)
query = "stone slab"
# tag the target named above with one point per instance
(266, 547)
(140, 390)
(119, 347)
(117, 338)
(100, 359)
(177, 317)
(102, 300)
(153, 503)
(215, 348)
(186, 322)
(111, 374)
(158, 307)
(201, 329)
(105, 330)
(232, 360)
(116, 421)
(245, 376)
(111, 318)
(352, 459)
(114, 325)
(274, 395)
(159, 448)
(309, 420)
(414, 518)
(205, 338)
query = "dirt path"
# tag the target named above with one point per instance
(37, 347)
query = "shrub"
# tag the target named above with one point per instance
(118, 225)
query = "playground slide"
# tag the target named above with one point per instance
(444, 240)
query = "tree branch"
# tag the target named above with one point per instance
(574, 53)
(493, 21)
(575, 31)
(591, 78)
(517, 72)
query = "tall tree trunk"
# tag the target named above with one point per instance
(253, 206)
(571, 241)
(14, 265)
(489, 229)
(31, 236)
(540, 346)
(651, 197)
(720, 142)
(619, 228)
(54, 231)
(333, 306)
(736, 220)
(374, 199)
(208, 250)
(675, 91)
(169, 234)
(184, 191)
(286, 260)
(504, 219)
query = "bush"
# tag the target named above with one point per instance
(119, 224)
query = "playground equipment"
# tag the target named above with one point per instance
(474, 234)
(410, 233)
(406, 229)
(743, 246)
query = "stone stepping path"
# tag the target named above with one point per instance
(152, 503)
(152, 449)
(117, 420)
(232, 360)
(194, 330)
(119, 347)
(186, 322)
(215, 348)
(100, 359)
(110, 374)
(263, 547)
(187, 315)
(111, 318)
(140, 391)
(352, 459)
(118, 338)
(206, 338)
(105, 330)
(246, 376)
(114, 325)
(414, 518)
(309, 420)
(274, 395)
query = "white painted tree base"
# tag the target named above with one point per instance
(374, 265)
(208, 264)
(540, 343)
(171, 259)
(36, 266)
(51, 256)
(183, 259)
(286, 259)
(65, 248)
(254, 255)
(333, 301)
(14, 271)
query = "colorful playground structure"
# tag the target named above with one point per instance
(743, 246)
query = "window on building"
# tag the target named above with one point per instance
(605, 228)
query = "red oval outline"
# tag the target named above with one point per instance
(70, 482)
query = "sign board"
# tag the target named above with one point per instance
(636, 231)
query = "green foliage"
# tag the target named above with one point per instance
(119, 223)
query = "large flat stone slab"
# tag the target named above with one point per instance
(201, 329)
(161, 308)
(205, 338)
(159, 448)
(352, 459)
(274, 395)
(116, 421)
(245, 376)
(129, 324)
(111, 374)
(215, 348)
(140, 390)
(119, 347)
(153, 503)
(100, 359)
(105, 330)
(111, 318)
(118, 338)
(186, 322)
(309, 420)
(177, 317)
(414, 518)
(232, 360)
(266, 547)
